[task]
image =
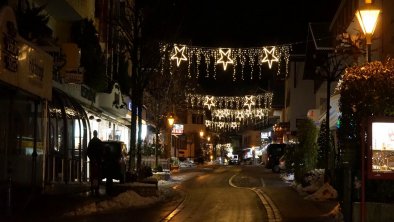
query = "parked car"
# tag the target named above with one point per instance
(234, 160)
(187, 164)
(115, 160)
(274, 153)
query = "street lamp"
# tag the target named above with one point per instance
(367, 16)
(171, 120)
(201, 143)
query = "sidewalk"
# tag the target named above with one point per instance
(60, 199)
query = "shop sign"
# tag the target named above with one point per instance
(88, 93)
(177, 129)
(24, 65)
(73, 76)
(11, 50)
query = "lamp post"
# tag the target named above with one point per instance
(367, 16)
(171, 123)
(201, 142)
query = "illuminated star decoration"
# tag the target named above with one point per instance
(259, 113)
(220, 114)
(239, 115)
(248, 113)
(233, 125)
(179, 55)
(225, 58)
(271, 58)
(249, 101)
(209, 102)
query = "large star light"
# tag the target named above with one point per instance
(225, 58)
(270, 56)
(239, 115)
(179, 55)
(249, 101)
(220, 114)
(259, 113)
(209, 101)
(248, 113)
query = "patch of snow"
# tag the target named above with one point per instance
(132, 199)
(124, 200)
(325, 192)
(287, 177)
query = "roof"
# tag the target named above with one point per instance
(319, 44)
(320, 35)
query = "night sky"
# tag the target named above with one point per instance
(248, 23)
(245, 23)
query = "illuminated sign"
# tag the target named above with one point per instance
(381, 148)
(177, 129)
(265, 135)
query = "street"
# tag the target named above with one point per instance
(211, 198)
(224, 193)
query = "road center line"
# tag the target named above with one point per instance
(273, 213)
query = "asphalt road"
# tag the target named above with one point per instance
(210, 197)
(247, 194)
(222, 193)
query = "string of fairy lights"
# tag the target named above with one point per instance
(227, 112)
(232, 112)
(212, 58)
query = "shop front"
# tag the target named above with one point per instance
(68, 136)
(71, 124)
(25, 88)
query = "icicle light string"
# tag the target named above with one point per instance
(238, 58)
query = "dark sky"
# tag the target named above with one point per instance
(243, 23)
(248, 23)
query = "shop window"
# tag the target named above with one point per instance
(381, 148)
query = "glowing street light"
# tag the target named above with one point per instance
(367, 16)
(171, 121)
(201, 133)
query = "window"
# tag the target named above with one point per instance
(197, 119)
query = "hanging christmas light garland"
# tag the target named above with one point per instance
(232, 112)
(237, 57)
(239, 114)
(263, 100)
(222, 126)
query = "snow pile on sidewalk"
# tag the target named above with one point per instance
(123, 200)
(287, 177)
(325, 192)
(132, 199)
(314, 187)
